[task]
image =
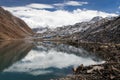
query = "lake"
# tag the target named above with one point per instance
(27, 60)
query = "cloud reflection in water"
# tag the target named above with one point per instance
(40, 62)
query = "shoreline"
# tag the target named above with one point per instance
(109, 52)
(110, 70)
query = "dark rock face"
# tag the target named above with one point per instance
(12, 27)
(86, 28)
(107, 32)
(104, 31)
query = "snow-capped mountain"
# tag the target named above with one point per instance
(40, 29)
(95, 19)
(93, 30)
(71, 29)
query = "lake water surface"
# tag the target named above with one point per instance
(41, 60)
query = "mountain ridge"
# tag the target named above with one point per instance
(87, 31)
(12, 27)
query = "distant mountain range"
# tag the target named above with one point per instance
(97, 29)
(12, 27)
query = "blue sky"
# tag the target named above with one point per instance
(111, 6)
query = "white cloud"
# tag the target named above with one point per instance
(37, 63)
(75, 3)
(59, 6)
(37, 18)
(69, 3)
(41, 6)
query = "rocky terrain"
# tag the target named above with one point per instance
(96, 30)
(12, 27)
(103, 39)
(110, 70)
(105, 33)
(100, 36)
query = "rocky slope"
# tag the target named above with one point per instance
(105, 33)
(65, 31)
(12, 27)
(96, 30)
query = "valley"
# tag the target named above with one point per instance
(37, 52)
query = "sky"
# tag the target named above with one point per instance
(56, 13)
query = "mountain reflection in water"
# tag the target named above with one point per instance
(10, 52)
(40, 60)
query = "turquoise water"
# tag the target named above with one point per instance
(41, 60)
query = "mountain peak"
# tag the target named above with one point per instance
(95, 19)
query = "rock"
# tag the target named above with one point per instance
(109, 70)
(105, 33)
(104, 47)
(95, 68)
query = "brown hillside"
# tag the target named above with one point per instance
(12, 27)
